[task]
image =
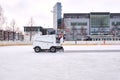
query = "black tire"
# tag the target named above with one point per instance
(62, 49)
(37, 49)
(53, 49)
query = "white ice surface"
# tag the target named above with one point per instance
(93, 47)
(22, 63)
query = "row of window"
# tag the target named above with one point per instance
(79, 24)
(105, 39)
(88, 15)
(27, 29)
(95, 24)
(115, 23)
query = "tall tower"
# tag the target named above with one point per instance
(57, 12)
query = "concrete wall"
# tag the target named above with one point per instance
(15, 43)
(93, 42)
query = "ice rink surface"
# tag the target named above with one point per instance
(76, 63)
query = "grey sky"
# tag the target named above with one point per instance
(40, 10)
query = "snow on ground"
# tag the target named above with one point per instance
(22, 63)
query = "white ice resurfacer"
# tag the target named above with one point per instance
(51, 43)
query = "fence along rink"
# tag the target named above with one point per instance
(10, 35)
(91, 42)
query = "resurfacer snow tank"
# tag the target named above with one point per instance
(51, 43)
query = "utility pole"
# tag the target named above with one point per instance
(83, 32)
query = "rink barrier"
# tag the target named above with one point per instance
(14, 43)
(66, 43)
(91, 43)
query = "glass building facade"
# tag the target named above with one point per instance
(77, 26)
(97, 25)
(57, 15)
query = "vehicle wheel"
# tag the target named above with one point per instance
(61, 49)
(52, 49)
(37, 49)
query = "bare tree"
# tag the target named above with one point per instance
(73, 29)
(62, 26)
(31, 25)
(8, 27)
(17, 29)
(115, 31)
(83, 32)
(13, 23)
(2, 19)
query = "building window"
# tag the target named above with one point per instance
(79, 24)
(115, 23)
(99, 20)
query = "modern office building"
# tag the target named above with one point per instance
(76, 25)
(29, 32)
(57, 15)
(97, 25)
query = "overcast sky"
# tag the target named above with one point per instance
(40, 10)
